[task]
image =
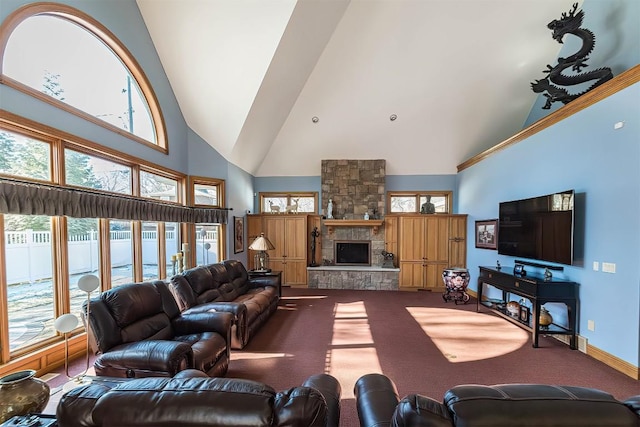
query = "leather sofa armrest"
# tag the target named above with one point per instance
(239, 311)
(417, 410)
(633, 403)
(76, 406)
(145, 358)
(264, 281)
(210, 321)
(330, 389)
(376, 400)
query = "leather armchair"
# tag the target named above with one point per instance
(504, 405)
(192, 399)
(138, 331)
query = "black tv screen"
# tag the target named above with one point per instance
(539, 228)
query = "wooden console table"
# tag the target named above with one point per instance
(539, 292)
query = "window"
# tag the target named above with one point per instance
(83, 253)
(29, 271)
(25, 157)
(172, 245)
(59, 54)
(150, 251)
(207, 192)
(120, 243)
(207, 244)
(84, 170)
(158, 187)
(419, 202)
(281, 202)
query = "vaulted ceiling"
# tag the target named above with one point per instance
(250, 76)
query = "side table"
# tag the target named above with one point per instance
(255, 273)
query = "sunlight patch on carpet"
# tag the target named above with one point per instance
(464, 336)
(352, 352)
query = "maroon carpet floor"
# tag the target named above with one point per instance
(423, 344)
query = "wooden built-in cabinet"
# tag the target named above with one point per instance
(290, 234)
(391, 237)
(427, 244)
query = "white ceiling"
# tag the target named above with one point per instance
(249, 75)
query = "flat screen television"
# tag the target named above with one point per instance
(538, 228)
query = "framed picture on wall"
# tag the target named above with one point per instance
(487, 234)
(238, 234)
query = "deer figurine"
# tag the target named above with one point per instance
(293, 207)
(274, 208)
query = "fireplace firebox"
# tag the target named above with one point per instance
(352, 252)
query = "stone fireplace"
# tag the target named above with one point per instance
(355, 187)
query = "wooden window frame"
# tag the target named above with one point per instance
(417, 194)
(99, 31)
(289, 195)
(42, 354)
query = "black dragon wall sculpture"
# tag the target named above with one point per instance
(570, 24)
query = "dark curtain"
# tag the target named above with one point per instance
(17, 197)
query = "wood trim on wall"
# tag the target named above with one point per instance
(618, 83)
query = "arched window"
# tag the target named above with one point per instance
(63, 56)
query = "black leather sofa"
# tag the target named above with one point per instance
(194, 400)
(226, 286)
(505, 405)
(137, 330)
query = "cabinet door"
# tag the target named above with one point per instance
(412, 274)
(274, 230)
(434, 276)
(295, 242)
(254, 228)
(412, 239)
(437, 238)
(294, 272)
(458, 241)
(391, 237)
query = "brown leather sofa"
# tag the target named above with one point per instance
(191, 399)
(137, 330)
(226, 286)
(505, 405)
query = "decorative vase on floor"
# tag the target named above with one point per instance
(22, 393)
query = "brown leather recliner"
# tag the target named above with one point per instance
(190, 399)
(138, 331)
(504, 405)
(226, 286)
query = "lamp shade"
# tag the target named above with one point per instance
(66, 323)
(88, 283)
(261, 244)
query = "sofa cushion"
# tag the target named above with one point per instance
(535, 404)
(186, 402)
(144, 296)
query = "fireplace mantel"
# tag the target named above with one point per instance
(373, 223)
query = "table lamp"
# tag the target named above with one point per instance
(261, 259)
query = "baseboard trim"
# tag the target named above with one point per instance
(600, 355)
(614, 362)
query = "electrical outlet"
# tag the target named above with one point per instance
(596, 266)
(591, 325)
(608, 267)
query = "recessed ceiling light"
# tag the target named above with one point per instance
(315, 119)
(393, 117)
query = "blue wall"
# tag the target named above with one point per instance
(585, 153)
